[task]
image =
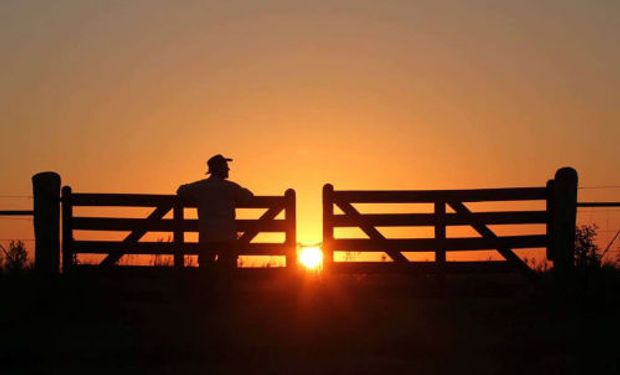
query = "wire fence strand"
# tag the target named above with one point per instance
(599, 187)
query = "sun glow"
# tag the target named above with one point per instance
(311, 257)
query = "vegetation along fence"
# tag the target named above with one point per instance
(558, 217)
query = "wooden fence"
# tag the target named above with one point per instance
(559, 218)
(559, 197)
(178, 225)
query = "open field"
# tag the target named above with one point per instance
(307, 324)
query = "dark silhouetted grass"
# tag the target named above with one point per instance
(193, 323)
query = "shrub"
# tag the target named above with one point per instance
(587, 252)
(16, 258)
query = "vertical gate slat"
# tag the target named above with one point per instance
(549, 228)
(178, 234)
(67, 229)
(440, 236)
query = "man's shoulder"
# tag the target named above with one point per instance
(192, 185)
(231, 184)
(210, 184)
(198, 183)
(236, 187)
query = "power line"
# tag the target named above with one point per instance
(599, 209)
(599, 187)
(15, 218)
(610, 243)
(598, 204)
(10, 196)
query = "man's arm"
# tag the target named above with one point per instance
(185, 193)
(242, 195)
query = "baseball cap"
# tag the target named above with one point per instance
(217, 160)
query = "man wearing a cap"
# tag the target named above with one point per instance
(216, 200)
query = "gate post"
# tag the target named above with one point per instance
(67, 230)
(564, 219)
(46, 192)
(290, 217)
(550, 220)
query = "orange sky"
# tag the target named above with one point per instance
(135, 96)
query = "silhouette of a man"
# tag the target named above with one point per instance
(216, 200)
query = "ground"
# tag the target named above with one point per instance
(285, 324)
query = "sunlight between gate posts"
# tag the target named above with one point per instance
(311, 257)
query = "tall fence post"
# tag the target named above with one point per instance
(46, 192)
(67, 229)
(328, 228)
(291, 231)
(563, 219)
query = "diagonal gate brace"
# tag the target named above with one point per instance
(371, 231)
(136, 235)
(484, 231)
(269, 215)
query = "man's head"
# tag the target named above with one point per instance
(218, 166)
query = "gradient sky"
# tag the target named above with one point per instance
(135, 96)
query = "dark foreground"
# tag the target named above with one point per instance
(276, 324)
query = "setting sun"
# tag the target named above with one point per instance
(311, 257)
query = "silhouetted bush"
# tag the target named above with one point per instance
(587, 252)
(16, 258)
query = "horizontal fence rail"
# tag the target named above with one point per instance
(177, 225)
(167, 225)
(168, 248)
(425, 267)
(431, 196)
(397, 220)
(598, 204)
(449, 244)
(157, 200)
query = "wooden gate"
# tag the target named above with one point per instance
(178, 225)
(559, 197)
